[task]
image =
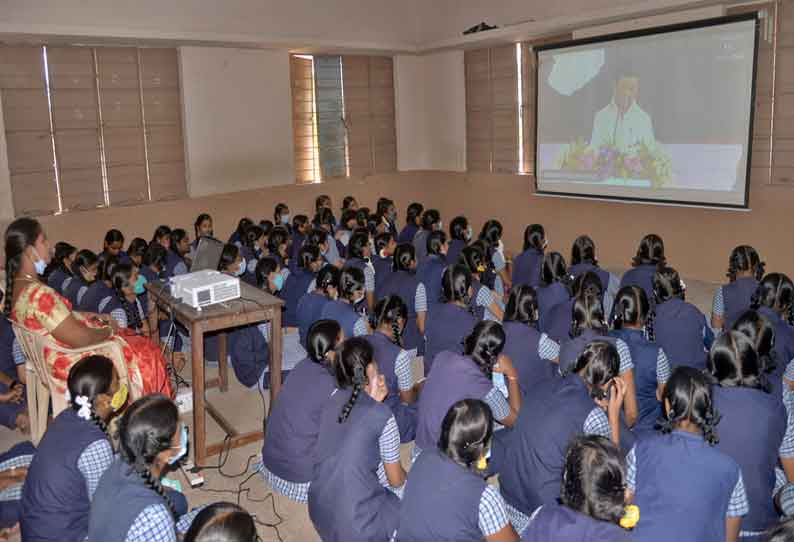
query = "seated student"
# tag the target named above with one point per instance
(310, 306)
(431, 271)
(592, 498)
(357, 455)
(745, 271)
(162, 236)
(586, 400)
(431, 221)
(484, 301)
(554, 287)
(278, 247)
(583, 259)
(175, 263)
(130, 503)
(651, 367)
(136, 251)
(774, 299)
(388, 321)
(782, 532)
(359, 256)
(678, 327)
(84, 272)
(202, 227)
(448, 323)
(281, 216)
(468, 376)
(460, 234)
(72, 456)
(238, 235)
(686, 489)
(404, 284)
(58, 273)
(324, 220)
(298, 284)
(113, 245)
(558, 320)
(153, 269)
(650, 257)
(222, 522)
(742, 399)
(490, 277)
(528, 264)
(294, 421)
(342, 309)
(101, 288)
(386, 212)
(492, 233)
(446, 497)
(534, 354)
(761, 333)
(13, 470)
(252, 250)
(123, 304)
(413, 215)
(322, 203)
(383, 260)
(349, 202)
(347, 224)
(13, 404)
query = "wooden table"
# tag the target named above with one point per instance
(254, 306)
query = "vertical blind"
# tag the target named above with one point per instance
(90, 127)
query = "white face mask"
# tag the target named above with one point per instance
(285, 219)
(39, 264)
(500, 247)
(469, 233)
(240, 271)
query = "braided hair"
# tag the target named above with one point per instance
(91, 377)
(583, 251)
(775, 292)
(328, 277)
(351, 370)
(20, 234)
(761, 332)
(484, 345)
(745, 258)
(120, 279)
(667, 284)
(650, 252)
(688, 393)
(734, 362)
(535, 237)
(63, 251)
(522, 305)
(587, 313)
(632, 308)
(597, 365)
(145, 430)
(390, 310)
(466, 432)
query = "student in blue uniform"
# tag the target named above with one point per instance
(387, 213)
(650, 257)
(745, 270)
(431, 271)
(101, 288)
(686, 489)
(152, 270)
(678, 327)
(774, 299)
(492, 233)
(281, 215)
(554, 287)
(395, 363)
(136, 251)
(84, 272)
(251, 251)
(58, 272)
(383, 260)
(298, 283)
(13, 404)
(13, 471)
(324, 220)
(404, 283)
(347, 224)
(485, 302)
(583, 259)
(294, 422)
(238, 235)
(349, 202)
(782, 532)
(113, 244)
(359, 255)
(535, 356)
(222, 522)
(651, 367)
(342, 309)
(592, 497)
(587, 400)
(527, 265)
(300, 228)
(122, 304)
(357, 455)
(162, 236)
(72, 456)
(278, 246)
(468, 376)
(202, 227)
(558, 320)
(761, 333)
(175, 263)
(130, 503)
(324, 203)
(310, 306)
(431, 221)
(743, 399)
(412, 223)
(460, 234)
(446, 498)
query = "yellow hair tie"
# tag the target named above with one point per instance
(630, 517)
(482, 463)
(481, 269)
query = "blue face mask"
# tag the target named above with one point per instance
(241, 268)
(278, 282)
(39, 264)
(182, 447)
(139, 285)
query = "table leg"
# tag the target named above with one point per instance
(199, 418)
(223, 365)
(275, 357)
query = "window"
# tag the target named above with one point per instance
(91, 127)
(343, 116)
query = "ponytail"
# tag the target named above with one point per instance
(598, 364)
(20, 234)
(354, 356)
(88, 378)
(389, 310)
(484, 345)
(688, 393)
(745, 258)
(667, 284)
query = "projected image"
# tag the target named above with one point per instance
(663, 116)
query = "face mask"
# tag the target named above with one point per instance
(119, 398)
(500, 247)
(440, 225)
(469, 233)
(285, 219)
(393, 216)
(278, 282)
(182, 447)
(240, 268)
(139, 285)
(382, 253)
(39, 264)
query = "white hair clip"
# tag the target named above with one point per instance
(85, 407)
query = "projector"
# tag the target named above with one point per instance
(204, 288)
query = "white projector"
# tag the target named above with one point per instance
(204, 288)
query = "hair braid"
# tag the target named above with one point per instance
(11, 270)
(130, 310)
(396, 334)
(350, 403)
(99, 422)
(155, 485)
(649, 329)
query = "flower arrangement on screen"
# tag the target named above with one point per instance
(642, 161)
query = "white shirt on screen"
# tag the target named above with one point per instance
(633, 127)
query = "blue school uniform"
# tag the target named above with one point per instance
(75, 290)
(122, 256)
(408, 287)
(250, 261)
(456, 246)
(383, 268)
(679, 329)
(522, 346)
(125, 318)
(94, 296)
(346, 460)
(736, 299)
(408, 233)
(235, 239)
(59, 280)
(549, 296)
(294, 249)
(295, 287)
(642, 276)
(71, 458)
(8, 366)
(558, 321)
(346, 316)
(395, 365)
(562, 524)
(582, 268)
(447, 325)
(430, 274)
(309, 310)
(526, 267)
(249, 353)
(174, 264)
(420, 245)
(784, 347)
(18, 456)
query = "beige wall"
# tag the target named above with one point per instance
(237, 119)
(6, 201)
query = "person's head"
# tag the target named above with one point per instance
(155, 257)
(162, 235)
(431, 220)
(744, 261)
(62, 258)
(351, 285)
(587, 313)
(627, 89)
(386, 209)
(222, 522)
(593, 478)
(474, 260)
(349, 203)
(85, 266)
(268, 275)
(459, 229)
(267, 227)
(775, 292)
(688, 404)
(322, 202)
(667, 284)
(349, 219)
(300, 224)
(389, 317)
(137, 250)
(202, 227)
(322, 340)
(355, 368)
(180, 242)
(782, 532)
(105, 267)
(310, 259)
(535, 237)
(484, 345)
(318, 238)
(650, 251)
(278, 241)
(413, 213)
(124, 281)
(583, 251)
(404, 257)
(328, 281)
(242, 225)
(324, 219)
(281, 214)
(437, 243)
(254, 238)
(632, 309)
(597, 365)
(522, 305)
(26, 248)
(358, 247)
(466, 432)
(385, 244)
(231, 260)
(762, 333)
(492, 232)
(587, 283)
(456, 284)
(114, 242)
(554, 269)
(95, 391)
(150, 438)
(733, 362)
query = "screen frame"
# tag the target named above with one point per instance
(666, 29)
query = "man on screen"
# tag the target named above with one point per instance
(623, 123)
